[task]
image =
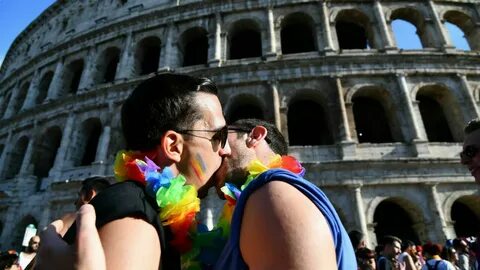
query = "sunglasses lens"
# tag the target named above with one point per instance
(469, 152)
(221, 136)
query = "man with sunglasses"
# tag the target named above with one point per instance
(281, 220)
(169, 121)
(471, 146)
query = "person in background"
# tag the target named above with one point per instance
(366, 259)
(407, 256)
(25, 257)
(392, 246)
(434, 261)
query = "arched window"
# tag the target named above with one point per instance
(73, 75)
(16, 158)
(406, 35)
(302, 116)
(392, 219)
(43, 87)
(371, 121)
(297, 34)
(148, 55)
(245, 40)
(22, 94)
(194, 47)
(91, 130)
(107, 65)
(410, 30)
(441, 114)
(244, 107)
(465, 214)
(5, 102)
(353, 30)
(463, 30)
(46, 151)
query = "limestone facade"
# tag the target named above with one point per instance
(377, 126)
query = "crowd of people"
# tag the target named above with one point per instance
(178, 146)
(392, 253)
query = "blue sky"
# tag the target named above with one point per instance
(16, 15)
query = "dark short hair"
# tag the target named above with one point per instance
(390, 240)
(97, 183)
(160, 103)
(471, 126)
(365, 253)
(274, 138)
(432, 249)
(406, 244)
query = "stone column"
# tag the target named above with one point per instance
(86, 81)
(347, 145)
(62, 150)
(468, 100)
(385, 33)
(437, 213)
(327, 34)
(215, 51)
(361, 220)
(27, 158)
(272, 44)
(57, 81)
(102, 149)
(276, 104)
(6, 151)
(444, 39)
(166, 60)
(125, 67)
(402, 82)
(11, 103)
(32, 92)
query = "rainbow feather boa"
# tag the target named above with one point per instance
(178, 203)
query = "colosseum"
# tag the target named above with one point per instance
(377, 126)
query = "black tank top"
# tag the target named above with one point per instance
(129, 199)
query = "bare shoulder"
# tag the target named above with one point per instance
(283, 229)
(130, 243)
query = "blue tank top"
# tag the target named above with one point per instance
(231, 257)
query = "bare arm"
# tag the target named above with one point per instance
(130, 243)
(283, 229)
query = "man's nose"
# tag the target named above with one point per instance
(225, 151)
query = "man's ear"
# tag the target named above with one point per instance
(172, 145)
(257, 134)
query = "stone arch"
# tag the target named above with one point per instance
(107, 65)
(147, 55)
(194, 47)
(374, 114)
(16, 157)
(86, 142)
(354, 30)
(43, 87)
(20, 99)
(306, 109)
(20, 231)
(466, 24)
(441, 113)
(397, 216)
(244, 39)
(245, 106)
(6, 100)
(297, 33)
(464, 212)
(72, 76)
(415, 18)
(46, 151)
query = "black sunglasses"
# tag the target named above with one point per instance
(469, 152)
(220, 136)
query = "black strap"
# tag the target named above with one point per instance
(435, 266)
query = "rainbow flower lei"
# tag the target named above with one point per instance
(256, 167)
(179, 203)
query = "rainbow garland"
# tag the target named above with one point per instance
(256, 167)
(178, 203)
